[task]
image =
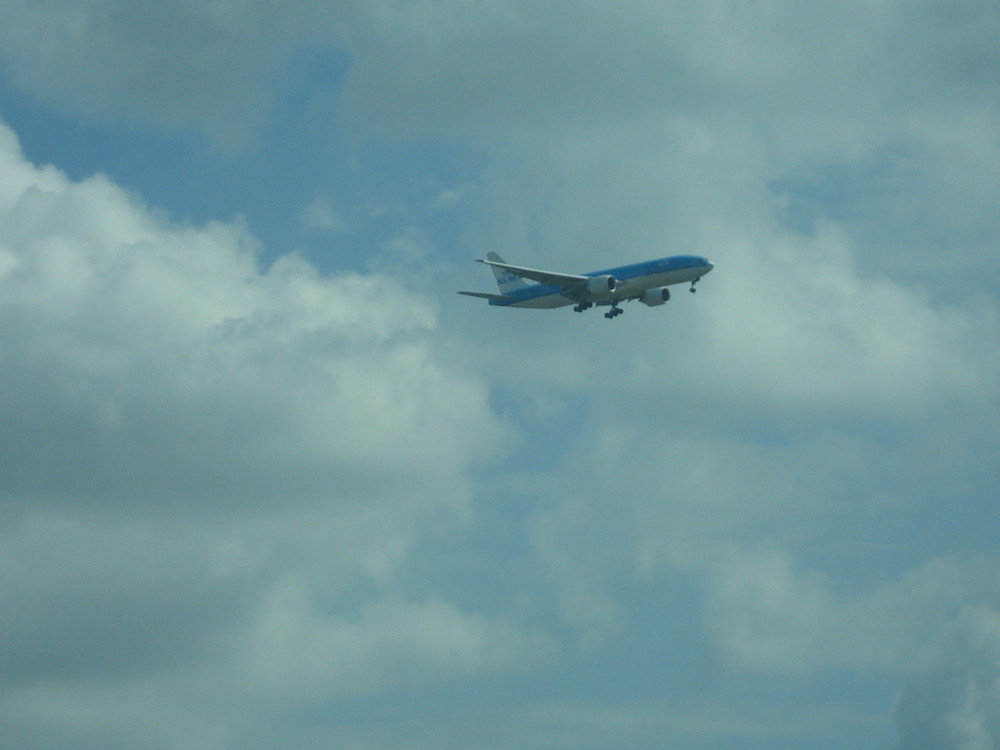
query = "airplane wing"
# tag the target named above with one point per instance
(564, 280)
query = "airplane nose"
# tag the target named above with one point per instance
(709, 265)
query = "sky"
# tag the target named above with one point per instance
(266, 480)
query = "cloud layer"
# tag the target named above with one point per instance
(251, 501)
(189, 440)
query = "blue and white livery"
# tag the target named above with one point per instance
(646, 282)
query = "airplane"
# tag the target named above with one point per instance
(646, 282)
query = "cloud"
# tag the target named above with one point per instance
(515, 67)
(764, 611)
(207, 65)
(159, 358)
(321, 214)
(294, 651)
(249, 502)
(107, 601)
(808, 550)
(211, 469)
(801, 316)
(951, 703)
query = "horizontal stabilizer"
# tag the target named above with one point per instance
(486, 295)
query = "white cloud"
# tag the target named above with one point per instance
(155, 358)
(322, 214)
(765, 612)
(192, 445)
(797, 324)
(293, 650)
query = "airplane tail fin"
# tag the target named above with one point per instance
(507, 281)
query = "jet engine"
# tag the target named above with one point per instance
(654, 297)
(599, 285)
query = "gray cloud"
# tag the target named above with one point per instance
(951, 703)
(191, 444)
(206, 65)
(271, 490)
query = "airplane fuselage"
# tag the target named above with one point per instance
(631, 281)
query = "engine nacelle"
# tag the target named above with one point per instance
(600, 285)
(654, 297)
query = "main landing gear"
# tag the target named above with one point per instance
(613, 312)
